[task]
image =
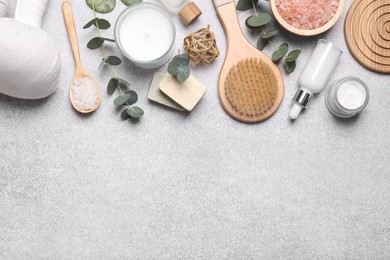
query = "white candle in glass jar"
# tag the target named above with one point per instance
(146, 33)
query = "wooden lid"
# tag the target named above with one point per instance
(190, 13)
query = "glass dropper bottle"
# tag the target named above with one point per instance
(315, 74)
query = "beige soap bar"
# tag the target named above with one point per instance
(156, 95)
(186, 94)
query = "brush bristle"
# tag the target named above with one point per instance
(251, 87)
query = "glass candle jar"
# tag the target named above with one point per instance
(146, 33)
(347, 97)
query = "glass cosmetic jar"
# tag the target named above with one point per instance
(347, 97)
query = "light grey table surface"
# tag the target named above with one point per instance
(194, 185)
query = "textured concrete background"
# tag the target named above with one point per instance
(192, 186)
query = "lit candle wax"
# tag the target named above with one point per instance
(145, 33)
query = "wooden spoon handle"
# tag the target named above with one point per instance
(70, 26)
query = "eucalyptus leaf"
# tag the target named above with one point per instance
(261, 43)
(95, 43)
(270, 34)
(123, 83)
(135, 112)
(107, 39)
(133, 97)
(183, 74)
(182, 59)
(244, 5)
(179, 67)
(131, 2)
(90, 23)
(125, 115)
(121, 100)
(290, 66)
(280, 52)
(112, 86)
(103, 24)
(101, 6)
(293, 55)
(256, 21)
(113, 60)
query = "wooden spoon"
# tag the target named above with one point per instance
(80, 72)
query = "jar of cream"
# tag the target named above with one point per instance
(347, 97)
(146, 33)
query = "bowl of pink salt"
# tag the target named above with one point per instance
(307, 17)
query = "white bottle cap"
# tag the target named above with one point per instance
(295, 111)
(301, 100)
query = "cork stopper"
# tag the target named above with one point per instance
(190, 13)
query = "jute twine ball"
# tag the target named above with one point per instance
(201, 46)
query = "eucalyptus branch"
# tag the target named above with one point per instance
(258, 21)
(127, 98)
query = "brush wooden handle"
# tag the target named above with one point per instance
(227, 14)
(70, 26)
(218, 3)
(241, 53)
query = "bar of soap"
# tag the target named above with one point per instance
(186, 94)
(156, 95)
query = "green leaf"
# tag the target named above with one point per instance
(182, 59)
(121, 100)
(103, 24)
(123, 83)
(135, 112)
(125, 115)
(290, 67)
(293, 55)
(131, 2)
(113, 60)
(270, 34)
(261, 43)
(101, 6)
(179, 67)
(107, 39)
(133, 97)
(280, 52)
(90, 23)
(183, 74)
(95, 43)
(256, 21)
(244, 5)
(112, 85)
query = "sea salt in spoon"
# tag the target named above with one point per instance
(84, 92)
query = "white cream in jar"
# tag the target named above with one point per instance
(347, 97)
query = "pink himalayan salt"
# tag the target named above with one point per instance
(84, 93)
(307, 14)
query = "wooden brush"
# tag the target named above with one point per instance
(250, 86)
